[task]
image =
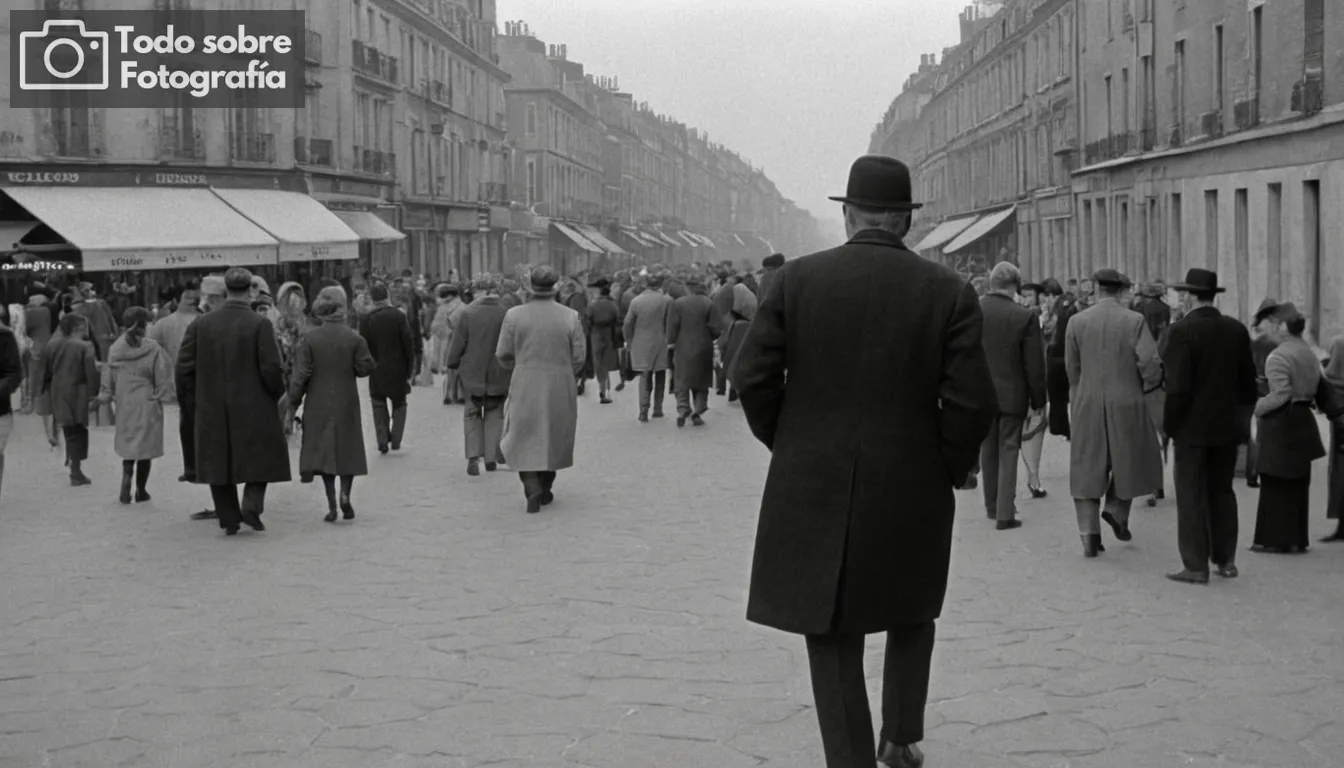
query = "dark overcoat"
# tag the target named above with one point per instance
(1210, 380)
(578, 301)
(388, 334)
(863, 372)
(231, 363)
(70, 379)
(692, 326)
(472, 351)
(328, 361)
(604, 322)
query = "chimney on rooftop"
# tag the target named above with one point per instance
(564, 51)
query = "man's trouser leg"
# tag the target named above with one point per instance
(905, 682)
(1088, 512)
(1119, 508)
(720, 381)
(841, 697)
(254, 498)
(1192, 506)
(659, 388)
(683, 398)
(398, 421)
(645, 391)
(186, 432)
(1221, 464)
(1252, 458)
(382, 421)
(989, 467)
(473, 429)
(226, 505)
(701, 397)
(1000, 454)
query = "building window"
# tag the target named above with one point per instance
(1219, 76)
(1274, 241)
(1124, 100)
(1178, 86)
(1110, 109)
(1313, 42)
(1211, 229)
(531, 120)
(1311, 246)
(1257, 44)
(1176, 248)
(1242, 233)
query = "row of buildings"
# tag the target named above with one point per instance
(1148, 135)
(440, 139)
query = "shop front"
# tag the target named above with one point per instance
(613, 256)
(365, 206)
(570, 251)
(993, 236)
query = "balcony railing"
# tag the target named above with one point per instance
(494, 192)
(180, 139)
(375, 162)
(312, 47)
(1111, 147)
(371, 61)
(254, 147)
(313, 152)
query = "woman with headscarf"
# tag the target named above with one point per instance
(17, 324)
(1289, 438)
(138, 376)
(327, 362)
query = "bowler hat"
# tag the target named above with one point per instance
(1035, 287)
(1200, 281)
(1108, 276)
(879, 182)
(773, 260)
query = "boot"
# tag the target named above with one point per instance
(380, 426)
(141, 480)
(532, 489)
(547, 482)
(77, 476)
(1092, 544)
(473, 467)
(398, 426)
(127, 475)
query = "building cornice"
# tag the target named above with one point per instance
(424, 22)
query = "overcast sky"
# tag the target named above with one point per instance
(795, 86)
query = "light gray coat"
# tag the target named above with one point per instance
(542, 342)
(1111, 360)
(646, 330)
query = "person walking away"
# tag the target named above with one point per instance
(1012, 342)
(723, 303)
(1210, 381)
(70, 380)
(1261, 345)
(328, 362)
(646, 333)
(102, 323)
(1151, 303)
(485, 381)
(167, 333)
(692, 328)
(138, 376)
(873, 406)
(18, 326)
(1035, 298)
(388, 334)
(40, 322)
(604, 323)
(574, 296)
(11, 380)
(542, 343)
(231, 363)
(213, 296)
(1112, 364)
(443, 327)
(1334, 509)
(1289, 437)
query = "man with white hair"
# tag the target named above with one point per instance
(1012, 341)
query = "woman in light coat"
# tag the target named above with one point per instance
(542, 343)
(138, 376)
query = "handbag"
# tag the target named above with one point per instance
(627, 367)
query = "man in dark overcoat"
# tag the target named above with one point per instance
(484, 381)
(231, 362)
(70, 380)
(1012, 341)
(692, 326)
(213, 296)
(864, 374)
(1211, 392)
(392, 343)
(723, 303)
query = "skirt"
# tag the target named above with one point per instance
(1281, 518)
(1057, 392)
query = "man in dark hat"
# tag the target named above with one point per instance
(1210, 382)
(1112, 364)
(769, 265)
(1261, 345)
(873, 408)
(485, 383)
(230, 363)
(692, 326)
(387, 331)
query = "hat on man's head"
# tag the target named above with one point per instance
(880, 183)
(1200, 281)
(378, 291)
(484, 283)
(213, 285)
(1267, 308)
(1111, 277)
(1033, 287)
(237, 279)
(773, 260)
(259, 283)
(543, 279)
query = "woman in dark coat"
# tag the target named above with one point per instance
(731, 340)
(573, 295)
(70, 379)
(327, 362)
(388, 334)
(604, 328)
(1055, 322)
(1289, 437)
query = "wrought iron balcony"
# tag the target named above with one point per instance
(180, 137)
(1111, 147)
(254, 147)
(373, 62)
(312, 47)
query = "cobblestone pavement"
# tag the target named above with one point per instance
(447, 628)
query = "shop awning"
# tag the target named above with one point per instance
(11, 232)
(596, 237)
(142, 228)
(695, 240)
(307, 231)
(987, 223)
(706, 241)
(369, 226)
(573, 236)
(665, 238)
(944, 232)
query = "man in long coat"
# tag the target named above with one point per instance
(692, 326)
(864, 374)
(213, 296)
(231, 363)
(646, 334)
(542, 342)
(723, 298)
(70, 381)
(1112, 364)
(485, 382)
(392, 344)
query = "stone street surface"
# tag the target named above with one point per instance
(446, 628)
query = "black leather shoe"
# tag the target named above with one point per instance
(1008, 525)
(491, 466)
(250, 519)
(1189, 577)
(681, 421)
(696, 420)
(1228, 571)
(205, 514)
(900, 756)
(231, 531)
(1121, 531)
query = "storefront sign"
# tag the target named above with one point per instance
(18, 177)
(417, 217)
(1057, 207)
(298, 252)
(130, 261)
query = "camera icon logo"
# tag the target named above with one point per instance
(64, 56)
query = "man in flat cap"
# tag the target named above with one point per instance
(769, 265)
(692, 326)
(230, 363)
(864, 374)
(485, 383)
(1112, 363)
